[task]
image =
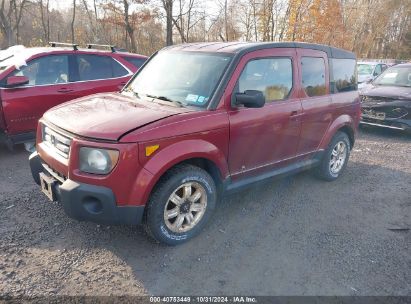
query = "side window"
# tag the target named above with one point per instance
(272, 76)
(377, 70)
(344, 75)
(313, 76)
(137, 62)
(92, 67)
(45, 70)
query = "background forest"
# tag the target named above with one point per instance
(371, 28)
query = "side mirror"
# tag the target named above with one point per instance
(250, 99)
(15, 81)
(369, 80)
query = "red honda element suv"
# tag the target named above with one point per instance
(195, 121)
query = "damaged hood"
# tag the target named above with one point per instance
(107, 116)
(389, 92)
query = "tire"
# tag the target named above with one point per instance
(183, 190)
(328, 171)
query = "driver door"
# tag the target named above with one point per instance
(49, 85)
(264, 139)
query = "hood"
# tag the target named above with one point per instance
(107, 116)
(391, 92)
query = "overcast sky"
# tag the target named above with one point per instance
(209, 5)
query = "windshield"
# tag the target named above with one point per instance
(395, 76)
(365, 69)
(186, 78)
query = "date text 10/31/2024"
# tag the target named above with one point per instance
(203, 299)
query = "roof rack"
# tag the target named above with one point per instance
(73, 45)
(112, 47)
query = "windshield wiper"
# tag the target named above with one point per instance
(179, 103)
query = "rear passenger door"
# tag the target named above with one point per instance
(316, 100)
(98, 73)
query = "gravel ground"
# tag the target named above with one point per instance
(295, 236)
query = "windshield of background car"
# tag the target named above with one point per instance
(395, 76)
(364, 69)
(185, 77)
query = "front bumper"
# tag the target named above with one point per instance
(393, 114)
(85, 202)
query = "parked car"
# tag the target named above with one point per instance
(32, 80)
(367, 71)
(386, 102)
(196, 121)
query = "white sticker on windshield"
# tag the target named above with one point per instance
(391, 75)
(191, 97)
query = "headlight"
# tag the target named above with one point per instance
(97, 161)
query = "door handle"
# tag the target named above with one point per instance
(294, 113)
(65, 90)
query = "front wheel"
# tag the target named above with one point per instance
(335, 158)
(180, 205)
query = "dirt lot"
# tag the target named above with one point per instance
(295, 236)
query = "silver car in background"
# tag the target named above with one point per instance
(368, 71)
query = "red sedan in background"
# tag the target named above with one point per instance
(33, 80)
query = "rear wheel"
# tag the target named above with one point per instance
(180, 205)
(335, 158)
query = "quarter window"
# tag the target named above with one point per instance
(313, 76)
(93, 67)
(45, 70)
(344, 75)
(272, 76)
(137, 62)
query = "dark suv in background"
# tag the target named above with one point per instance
(32, 80)
(196, 121)
(386, 102)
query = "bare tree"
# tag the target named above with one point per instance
(168, 7)
(73, 20)
(45, 20)
(10, 18)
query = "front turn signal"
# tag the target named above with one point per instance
(151, 149)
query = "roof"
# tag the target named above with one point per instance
(245, 47)
(369, 62)
(31, 51)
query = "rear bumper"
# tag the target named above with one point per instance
(85, 202)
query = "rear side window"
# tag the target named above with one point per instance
(313, 76)
(45, 70)
(137, 62)
(93, 67)
(343, 76)
(272, 76)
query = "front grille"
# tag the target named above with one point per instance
(372, 101)
(57, 142)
